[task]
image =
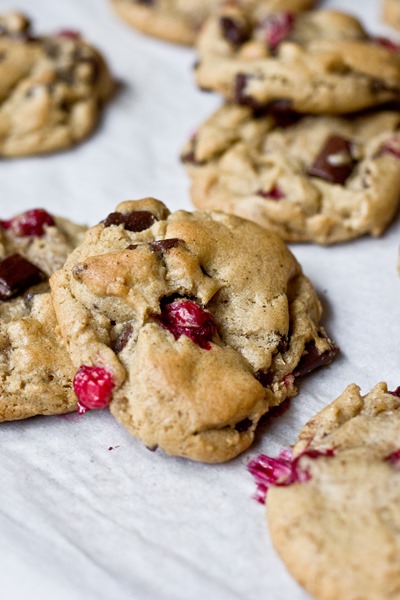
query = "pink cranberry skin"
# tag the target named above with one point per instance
(394, 458)
(386, 43)
(30, 223)
(281, 471)
(70, 34)
(274, 193)
(278, 27)
(187, 318)
(396, 392)
(93, 387)
(392, 146)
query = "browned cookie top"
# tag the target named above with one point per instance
(192, 324)
(51, 88)
(320, 61)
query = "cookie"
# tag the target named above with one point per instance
(320, 179)
(180, 21)
(35, 370)
(51, 91)
(319, 62)
(190, 325)
(334, 516)
(391, 12)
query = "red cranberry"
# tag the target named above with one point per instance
(280, 471)
(274, 193)
(394, 458)
(185, 317)
(30, 223)
(392, 147)
(71, 34)
(93, 387)
(386, 43)
(278, 27)
(396, 392)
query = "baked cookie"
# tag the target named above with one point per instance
(190, 325)
(391, 12)
(180, 21)
(51, 89)
(333, 511)
(35, 370)
(322, 179)
(320, 62)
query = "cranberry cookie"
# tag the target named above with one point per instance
(322, 179)
(333, 509)
(190, 325)
(391, 12)
(35, 370)
(180, 21)
(320, 62)
(51, 88)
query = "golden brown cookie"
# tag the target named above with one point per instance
(319, 62)
(323, 179)
(391, 12)
(191, 325)
(333, 508)
(51, 88)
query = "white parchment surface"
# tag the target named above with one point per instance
(86, 511)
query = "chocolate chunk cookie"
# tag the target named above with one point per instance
(190, 325)
(51, 88)
(180, 21)
(333, 511)
(391, 12)
(322, 179)
(319, 62)
(35, 370)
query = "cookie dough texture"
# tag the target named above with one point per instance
(391, 12)
(323, 62)
(257, 168)
(192, 402)
(180, 21)
(35, 370)
(52, 89)
(339, 533)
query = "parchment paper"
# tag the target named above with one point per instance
(86, 511)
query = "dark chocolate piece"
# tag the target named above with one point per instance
(233, 31)
(137, 220)
(335, 162)
(16, 275)
(313, 359)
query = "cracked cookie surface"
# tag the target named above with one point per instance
(35, 370)
(195, 323)
(180, 21)
(339, 531)
(320, 62)
(51, 91)
(322, 179)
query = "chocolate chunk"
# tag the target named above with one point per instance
(16, 275)
(283, 344)
(335, 162)
(264, 377)
(138, 220)
(119, 344)
(243, 425)
(241, 97)
(162, 246)
(396, 392)
(146, 2)
(314, 359)
(283, 113)
(233, 31)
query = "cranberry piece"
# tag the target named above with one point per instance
(234, 32)
(71, 34)
(335, 162)
(274, 194)
(278, 27)
(16, 275)
(283, 470)
(93, 387)
(30, 223)
(386, 43)
(394, 458)
(396, 392)
(185, 317)
(392, 146)
(313, 359)
(136, 221)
